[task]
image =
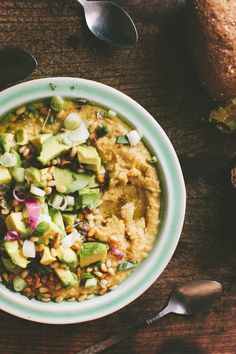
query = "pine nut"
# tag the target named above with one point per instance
(43, 290)
(103, 291)
(60, 188)
(5, 276)
(51, 169)
(71, 299)
(46, 299)
(48, 190)
(54, 264)
(111, 271)
(60, 114)
(59, 299)
(113, 287)
(5, 211)
(26, 152)
(46, 295)
(49, 177)
(103, 283)
(58, 286)
(54, 162)
(82, 298)
(100, 178)
(51, 183)
(24, 274)
(22, 149)
(103, 268)
(98, 274)
(108, 263)
(91, 233)
(73, 152)
(69, 228)
(90, 296)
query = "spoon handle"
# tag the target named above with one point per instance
(100, 346)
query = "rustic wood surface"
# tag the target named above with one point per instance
(158, 74)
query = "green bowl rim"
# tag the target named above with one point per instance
(172, 208)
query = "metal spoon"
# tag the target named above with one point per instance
(15, 65)
(186, 299)
(109, 22)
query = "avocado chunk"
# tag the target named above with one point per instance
(69, 219)
(92, 252)
(88, 198)
(5, 176)
(47, 258)
(50, 233)
(6, 142)
(70, 180)
(14, 252)
(17, 172)
(68, 256)
(57, 218)
(21, 136)
(89, 156)
(36, 176)
(38, 141)
(67, 277)
(93, 183)
(9, 265)
(15, 221)
(51, 148)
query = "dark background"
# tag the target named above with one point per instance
(157, 72)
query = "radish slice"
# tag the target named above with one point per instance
(28, 249)
(72, 121)
(70, 239)
(12, 236)
(37, 191)
(19, 195)
(134, 137)
(116, 253)
(34, 210)
(8, 160)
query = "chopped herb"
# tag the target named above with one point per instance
(101, 131)
(31, 107)
(122, 139)
(125, 266)
(152, 159)
(51, 119)
(52, 86)
(81, 100)
(87, 275)
(111, 114)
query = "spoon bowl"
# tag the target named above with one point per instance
(109, 22)
(15, 65)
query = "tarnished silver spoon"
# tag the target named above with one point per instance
(189, 298)
(15, 65)
(109, 22)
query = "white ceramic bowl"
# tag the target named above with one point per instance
(172, 202)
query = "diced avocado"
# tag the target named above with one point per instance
(50, 233)
(88, 198)
(35, 176)
(67, 277)
(71, 181)
(93, 183)
(38, 141)
(47, 258)
(5, 176)
(21, 136)
(92, 252)
(51, 148)
(18, 158)
(14, 221)
(14, 252)
(18, 173)
(89, 156)
(57, 218)
(68, 256)
(69, 219)
(44, 208)
(57, 103)
(9, 265)
(6, 142)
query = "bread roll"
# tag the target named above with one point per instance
(211, 27)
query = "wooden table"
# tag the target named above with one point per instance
(158, 74)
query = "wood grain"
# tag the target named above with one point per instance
(158, 74)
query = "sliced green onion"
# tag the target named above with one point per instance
(133, 137)
(37, 191)
(122, 139)
(152, 159)
(72, 121)
(8, 160)
(111, 114)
